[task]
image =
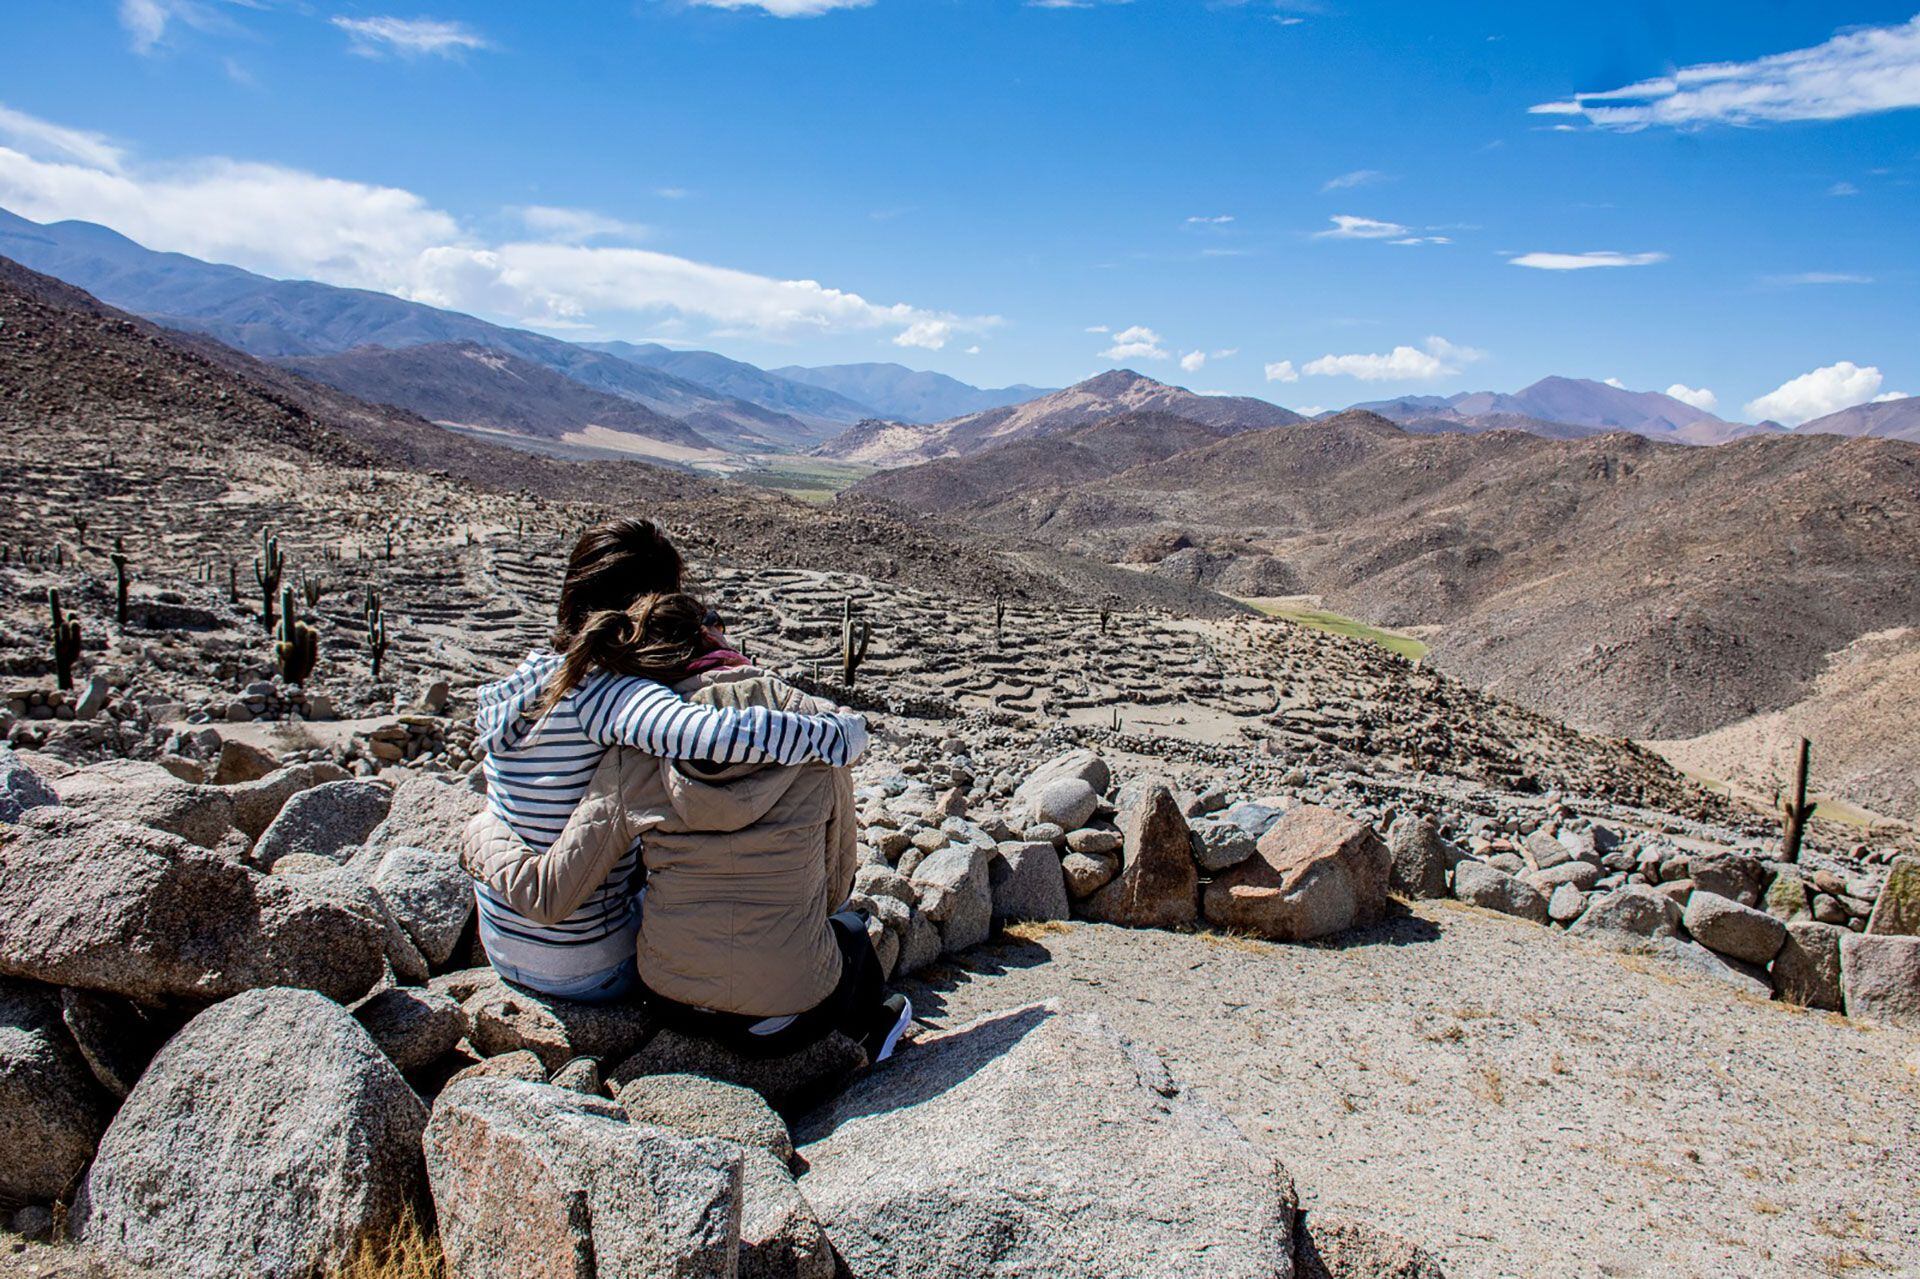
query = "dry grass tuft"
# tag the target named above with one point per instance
(408, 1252)
(1035, 929)
(1491, 1086)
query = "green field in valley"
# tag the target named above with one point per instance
(810, 479)
(1339, 624)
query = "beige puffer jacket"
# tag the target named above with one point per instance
(743, 866)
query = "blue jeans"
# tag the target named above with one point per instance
(605, 987)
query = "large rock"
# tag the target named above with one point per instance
(1631, 911)
(505, 1018)
(242, 762)
(148, 795)
(1731, 875)
(1027, 882)
(1066, 802)
(707, 1108)
(429, 895)
(115, 1037)
(51, 1111)
(140, 913)
(1807, 969)
(1881, 978)
(533, 1180)
(1335, 1247)
(414, 1028)
(351, 886)
(1220, 845)
(955, 887)
(1896, 911)
(1786, 897)
(429, 813)
(323, 820)
(1419, 858)
(1158, 885)
(21, 788)
(1034, 1143)
(1726, 926)
(789, 1083)
(1317, 872)
(1490, 888)
(257, 803)
(1079, 765)
(270, 1137)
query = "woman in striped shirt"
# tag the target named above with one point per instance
(546, 726)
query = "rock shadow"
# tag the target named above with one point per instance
(1402, 928)
(1000, 954)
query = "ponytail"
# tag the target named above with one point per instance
(656, 637)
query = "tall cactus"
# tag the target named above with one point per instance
(853, 651)
(297, 647)
(1797, 810)
(267, 567)
(313, 589)
(376, 618)
(66, 640)
(119, 558)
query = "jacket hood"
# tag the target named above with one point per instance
(505, 713)
(731, 800)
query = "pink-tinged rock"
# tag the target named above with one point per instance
(1316, 873)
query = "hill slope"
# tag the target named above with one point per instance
(1578, 575)
(277, 318)
(465, 384)
(810, 403)
(1566, 408)
(1887, 419)
(908, 395)
(1113, 393)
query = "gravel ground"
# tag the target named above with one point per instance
(1521, 1103)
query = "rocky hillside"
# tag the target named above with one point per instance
(1583, 577)
(1887, 419)
(1120, 391)
(1560, 407)
(901, 394)
(465, 384)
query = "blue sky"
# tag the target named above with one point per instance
(1313, 202)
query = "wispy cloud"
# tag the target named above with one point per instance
(1823, 391)
(1435, 358)
(146, 21)
(411, 37)
(47, 140)
(1218, 219)
(787, 8)
(1843, 189)
(1137, 342)
(1193, 361)
(1348, 181)
(1860, 71)
(1282, 371)
(573, 226)
(1817, 277)
(1348, 227)
(1585, 261)
(293, 223)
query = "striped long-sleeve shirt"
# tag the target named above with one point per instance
(538, 769)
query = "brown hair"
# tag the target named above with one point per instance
(656, 637)
(615, 568)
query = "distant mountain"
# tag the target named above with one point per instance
(272, 318)
(466, 384)
(1120, 391)
(804, 400)
(1553, 404)
(908, 395)
(1887, 419)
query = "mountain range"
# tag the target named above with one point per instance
(1566, 408)
(1887, 419)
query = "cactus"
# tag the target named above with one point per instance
(376, 618)
(1106, 611)
(66, 640)
(119, 558)
(297, 647)
(313, 589)
(267, 568)
(852, 651)
(389, 546)
(80, 528)
(233, 582)
(999, 618)
(1797, 810)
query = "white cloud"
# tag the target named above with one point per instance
(1843, 188)
(1192, 361)
(1584, 261)
(1614, 382)
(47, 140)
(974, 349)
(1219, 219)
(1886, 396)
(929, 335)
(1819, 277)
(1357, 178)
(1136, 343)
(1226, 353)
(411, 37)
(146, 21)
(672, 193)
(1282, 371)
(1860, 71)
(1437, 358)
(1098, 328)
(1701, 398)
(571, 226)
(788, 8)
(1422, 239)
(291, 223)
(1816, 394)
(1348, 227)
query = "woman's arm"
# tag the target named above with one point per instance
(628, 711)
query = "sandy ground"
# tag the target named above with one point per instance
(1521, 1103)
